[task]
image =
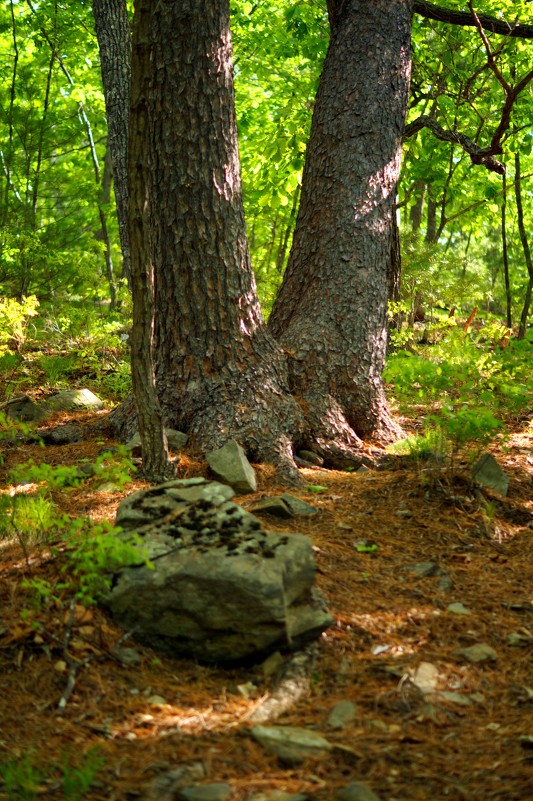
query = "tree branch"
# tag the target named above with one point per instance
(492, 24)
(478, 155)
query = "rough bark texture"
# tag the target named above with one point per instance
(219, 374)
(156, 463)
(331, 312)
(114, 43)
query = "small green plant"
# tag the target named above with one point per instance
(77, 781)
(93, 554)
(432, 443)
(56, 367)
(33, 517)
(22, 779)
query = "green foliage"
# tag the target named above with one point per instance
(77, 781)
(14, 318)
(94, 552)
(31, 517)
(468, 381)
(23, 780)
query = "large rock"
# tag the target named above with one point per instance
(75, 399)
(25, 409)
(230, 465)
(221, 589)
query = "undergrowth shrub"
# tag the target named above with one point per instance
(23, 779)
(467, 383)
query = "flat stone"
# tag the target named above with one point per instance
(279, 795)
(177, 440)
(424, 569)
(356, 791)
(426, 676)
(311, 457)
(128, 656)
(297, 506)
(291, 744)
(63, 435)
(272, 506)
(342, 715)
(455, 698)
(458, 609)
(480, 652)
(230, 466)
(216, 791)
(488, 473)
(74, 399)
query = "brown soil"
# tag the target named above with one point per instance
(387, 621)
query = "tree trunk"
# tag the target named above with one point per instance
(331, 311)
(114, 42)
(218, 372)
(522, 328)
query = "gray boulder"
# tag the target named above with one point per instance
(230, 465)
(25, 409)
(220, 589)
(74, 399)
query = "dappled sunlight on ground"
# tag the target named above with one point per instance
(372, 530)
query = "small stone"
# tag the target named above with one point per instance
(517, 640)
(426, 677)
(128, 656)
(311, 457)
(291, 744)
(342, 715)
(297, 506)
(156, 700)
(455, 698)
(272, 506)
(108, 486)
(279, 795)
(272, 664)
(458, 609)
(177, 440)
(230, 465)
(445, 584)
(424, 569)
(363, 469)
(480, 652)
(216, 791)
(356, 791)
(488, 472)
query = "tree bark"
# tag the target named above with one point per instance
(114, 42)
(331, 311)
(218, 372)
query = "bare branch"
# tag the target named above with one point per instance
(492, 24)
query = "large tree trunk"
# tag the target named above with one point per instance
(114, 42)
(331, 311)
(219, 374)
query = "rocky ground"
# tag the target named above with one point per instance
(422, 690)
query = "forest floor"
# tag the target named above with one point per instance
(466, 736)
